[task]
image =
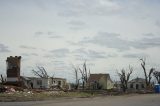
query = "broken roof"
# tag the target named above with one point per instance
(96, 77)
(138, 80)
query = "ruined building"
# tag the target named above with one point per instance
(13, 69)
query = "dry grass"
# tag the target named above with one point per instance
(29, 96)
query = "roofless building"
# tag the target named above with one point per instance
(13, 69)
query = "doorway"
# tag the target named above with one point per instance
(137, 86)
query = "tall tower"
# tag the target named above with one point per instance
(13, 69)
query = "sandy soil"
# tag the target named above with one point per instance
(127, 100)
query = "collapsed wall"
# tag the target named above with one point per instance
(13, 69)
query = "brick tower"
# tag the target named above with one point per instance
(13, 69)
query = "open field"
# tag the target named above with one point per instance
(125, 100)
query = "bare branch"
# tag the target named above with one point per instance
(41, 72)
(84, 73)
(124, 77)
(147, 76)
(156, 74)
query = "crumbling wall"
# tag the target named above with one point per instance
(13, 68)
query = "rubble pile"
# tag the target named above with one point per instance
(13, 89)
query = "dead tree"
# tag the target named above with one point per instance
(41, 72)
(2, 79)
(124, 78)
(85, 74)
(156, 74)
(76, 70)
(148, 76)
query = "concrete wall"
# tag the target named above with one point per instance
(137, 86)
(106, 83)
(40, 82)
(57, 81)
(48, 82)
(110, 84)
(103, 82)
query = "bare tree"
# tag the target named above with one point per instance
(148, 76)
(156, 74)
(76, 70)
(2, 79)
(41, 72)
(124, 78)
(85, 74)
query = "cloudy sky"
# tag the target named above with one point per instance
(108, 34)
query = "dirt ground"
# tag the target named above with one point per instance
(127, 100)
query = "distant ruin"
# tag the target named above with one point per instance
(13, 69)
(14, 78)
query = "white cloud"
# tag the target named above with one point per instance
(157, 23)
(27, 47)
(29, 54)
(110, 40)
(135, 55)
(58, 53)
(4, 48)
(48, 34)
(76, 23)
(90, 55)
(85, 7)
(113, 40)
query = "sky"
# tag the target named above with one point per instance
(58, 34)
